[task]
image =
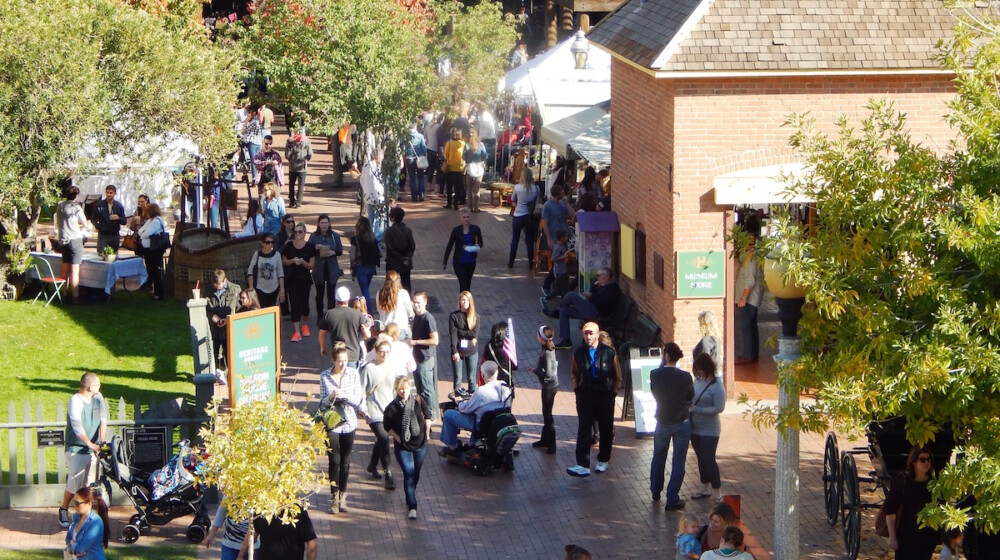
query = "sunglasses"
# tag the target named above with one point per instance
(289, 221)
(923, 459)
(300, 232)
(79, 503)
(268, 242)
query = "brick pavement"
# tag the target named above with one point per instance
(537, 509)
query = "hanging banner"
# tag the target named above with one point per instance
(254, 355)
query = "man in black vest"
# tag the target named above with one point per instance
(673, 390)
(596, 378)
(108, 217)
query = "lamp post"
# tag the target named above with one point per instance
(790, 297)
(580, 49)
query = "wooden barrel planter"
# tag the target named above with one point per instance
(198, 252)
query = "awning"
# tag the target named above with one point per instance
(554, 62)
(587, 134)
(760, 185)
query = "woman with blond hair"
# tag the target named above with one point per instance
(711, 342)
(394, 304)
(273, 207)
(463, 328)
(475, 168)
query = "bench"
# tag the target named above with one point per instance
(499, 192)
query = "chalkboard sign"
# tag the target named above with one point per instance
(146, 447)
(51, 438)
(254, 355)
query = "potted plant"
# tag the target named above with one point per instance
(109, 254)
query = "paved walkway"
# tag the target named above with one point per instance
(536, 510)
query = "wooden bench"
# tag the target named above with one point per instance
(499, 192)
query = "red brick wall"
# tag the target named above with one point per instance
(715, 126)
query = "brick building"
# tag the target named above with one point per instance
(699, 92)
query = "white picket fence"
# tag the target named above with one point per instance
(25, 477)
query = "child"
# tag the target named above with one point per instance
(557, 281)
(688, 547)
(951, 539)
(360, 305)
(730, 547)
(546, 372)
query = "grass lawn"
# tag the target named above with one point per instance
(141, 349)
(116, 552)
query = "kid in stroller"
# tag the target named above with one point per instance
(487, 414)
(167, 494)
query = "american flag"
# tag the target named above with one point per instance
(509, 345)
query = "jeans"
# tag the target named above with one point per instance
(415, 177)
(681, 434)
(410, 462)
(252, 150)
(575, 306)
(213, 217)
(364, 275)
(324, 288)
(426, 384)
(454, 422)
(464, 274)
(229, 553)
(593, 405)
(340, 460)
(380, 453)
(523, 223)
(708, 468)
(296, 177)
(746, 317)
(467, 367)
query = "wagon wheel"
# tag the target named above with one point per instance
(831, 479)
(850, 512)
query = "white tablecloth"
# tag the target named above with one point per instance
(96, 273)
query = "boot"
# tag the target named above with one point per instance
(390, 484)
(342, 499)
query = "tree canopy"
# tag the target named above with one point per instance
(902, 267)
(74, 72)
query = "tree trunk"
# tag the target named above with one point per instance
(250, 545)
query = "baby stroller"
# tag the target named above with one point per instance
(167, 494)
(496, 436)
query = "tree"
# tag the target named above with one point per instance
(477, 39)
(262, 457)
(80, 71)
(902, 315)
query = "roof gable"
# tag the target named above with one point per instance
(776, 35)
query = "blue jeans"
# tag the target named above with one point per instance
(425, 382)
(410, 462)
(229, 553)
(523, 223)
(365, 274)
(415, 178)
(252, 149)
(454, 422)
(681, 434)
(575, 306)
(377, 220)
(747, 320)
(467, 367)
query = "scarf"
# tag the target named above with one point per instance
(409, 430)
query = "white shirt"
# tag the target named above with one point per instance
(248, 229)
(401, 315)
(151, 228)
(371, 186)
(525, 196)
(486, 126)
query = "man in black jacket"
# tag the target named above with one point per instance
(673, 390)
(399, 247)
(109, 217)
(596, 378)
(590, 306)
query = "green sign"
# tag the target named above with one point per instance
(254, 355)
(701, 274)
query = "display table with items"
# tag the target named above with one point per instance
(97, 273)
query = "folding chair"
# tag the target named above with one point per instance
(57, 282)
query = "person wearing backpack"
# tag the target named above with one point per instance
(454, 170)
(267, 162)
(298, 152)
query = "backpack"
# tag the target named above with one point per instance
(267, 175)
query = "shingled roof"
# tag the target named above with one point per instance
(776, 35)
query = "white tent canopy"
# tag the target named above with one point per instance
(556, 61)
(587, 133)
(147, 169)
(760, 185)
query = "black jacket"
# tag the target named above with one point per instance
(605, 298)
(399, 247)
(455, 241)
(608, 376)
(102, 217)
(673, 390)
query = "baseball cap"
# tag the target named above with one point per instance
(343, 294)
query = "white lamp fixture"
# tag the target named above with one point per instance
(580, 48)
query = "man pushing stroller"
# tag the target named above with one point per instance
(492, 395)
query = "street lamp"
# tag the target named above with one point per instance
(580, 48)
(790, 297)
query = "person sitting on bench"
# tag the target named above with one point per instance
(490, 396)
(599, 303)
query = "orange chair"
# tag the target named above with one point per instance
(49, 279)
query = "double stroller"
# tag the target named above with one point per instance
(496, 436)
(159, 498)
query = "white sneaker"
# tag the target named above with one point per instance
(220, 376)
(602, 467)
(578, 471)
(412, 514)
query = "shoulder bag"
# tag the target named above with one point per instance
(881, 523)
(698, 399)
(422, 162)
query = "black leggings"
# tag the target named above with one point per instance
(297, 292)
(708, 467)
(454, 185)
(464, 274)
(549, 426)
(340, 460)
(381, 450)
(154, 269)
